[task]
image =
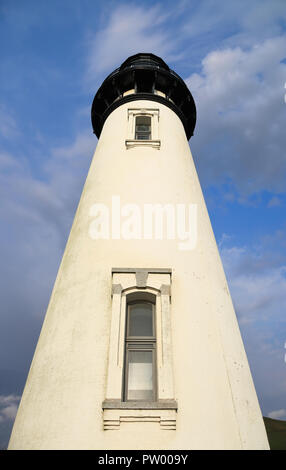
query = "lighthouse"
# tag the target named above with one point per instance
(140, 346)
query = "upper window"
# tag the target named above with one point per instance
(140, 352)
(143, 128)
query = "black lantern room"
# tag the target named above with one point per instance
(144, 77)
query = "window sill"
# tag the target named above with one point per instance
(145, 143)
(163, 412)
(142, 405)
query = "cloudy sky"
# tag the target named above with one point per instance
(54, 56)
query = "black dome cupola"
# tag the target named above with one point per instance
(147, 77)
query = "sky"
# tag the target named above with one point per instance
(232, 56)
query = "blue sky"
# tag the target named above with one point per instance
(54, 56)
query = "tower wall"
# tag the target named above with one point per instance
(61, 407)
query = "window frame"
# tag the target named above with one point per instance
(132, 114)
(147, 133)
(137, 284)
(140, 343)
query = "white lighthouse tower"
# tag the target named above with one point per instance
(140, 347)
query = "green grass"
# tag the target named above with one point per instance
(276, 432)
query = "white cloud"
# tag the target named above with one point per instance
(240, 103)
(130, 29)
(36, 213)
(83, 144)
(274, 202)
(257, 281)
(233, 22)
(8, 407)
(8, 126)
(260, 19)
(8, 162)
(277, 414)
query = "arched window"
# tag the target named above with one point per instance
(140, 352)
(139, 384)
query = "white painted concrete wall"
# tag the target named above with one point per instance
(61, 407)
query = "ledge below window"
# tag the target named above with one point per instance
(145, 143)
(163, 412)
(142, 405)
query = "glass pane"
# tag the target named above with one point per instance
(140, 136)
(143, 121)
(143, 128)
(140, 320)
(140, 375)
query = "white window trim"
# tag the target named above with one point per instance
(135, 281)
(132, 114)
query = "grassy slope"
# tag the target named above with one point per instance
(276, 432)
